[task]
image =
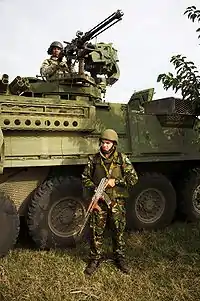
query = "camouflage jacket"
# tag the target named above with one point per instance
(121, 170)
(52, 68)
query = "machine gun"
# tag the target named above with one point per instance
(97, 59)
(75, 48)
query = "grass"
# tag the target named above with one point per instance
(165, 266)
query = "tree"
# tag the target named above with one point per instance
(187, 78)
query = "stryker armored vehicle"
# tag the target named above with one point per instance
(48, 127)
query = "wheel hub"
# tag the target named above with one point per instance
(196, 199)
(66, 217)
(150, 205)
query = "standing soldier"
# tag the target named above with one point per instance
(55, 66)
(121, 174)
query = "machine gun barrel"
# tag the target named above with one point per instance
(78, 48)
(81, 39)
(102, 26)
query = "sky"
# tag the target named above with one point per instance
(146, 38)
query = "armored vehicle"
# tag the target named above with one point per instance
(49, 126)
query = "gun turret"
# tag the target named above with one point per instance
(79, 49)
(73, 48)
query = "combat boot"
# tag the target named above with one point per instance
(122, 265)
(92, 267)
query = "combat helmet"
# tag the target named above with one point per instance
(109, 134)
(54, 44)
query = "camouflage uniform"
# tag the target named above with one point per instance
(125, 175)
(52, 68)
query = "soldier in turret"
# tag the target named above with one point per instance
(108, 162)
(56, 66)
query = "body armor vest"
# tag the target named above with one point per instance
(109, 167)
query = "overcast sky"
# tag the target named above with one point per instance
(149, 34)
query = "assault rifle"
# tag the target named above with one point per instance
(98, 194)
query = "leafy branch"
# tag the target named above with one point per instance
(193, 14)
(187, 78)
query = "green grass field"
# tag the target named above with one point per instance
(165, 266)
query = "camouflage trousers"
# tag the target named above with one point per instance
(115, 216)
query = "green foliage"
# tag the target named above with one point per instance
(187, 78)
(193, 14)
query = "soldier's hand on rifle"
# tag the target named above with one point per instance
(96, 207)
(111, 183)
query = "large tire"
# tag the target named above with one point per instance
(56, 213)
(152, 202)
(9, 224)
(189, 195)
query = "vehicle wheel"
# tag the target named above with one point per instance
(56, 213)
(189, 195)
(9, 224)
(152, 202)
